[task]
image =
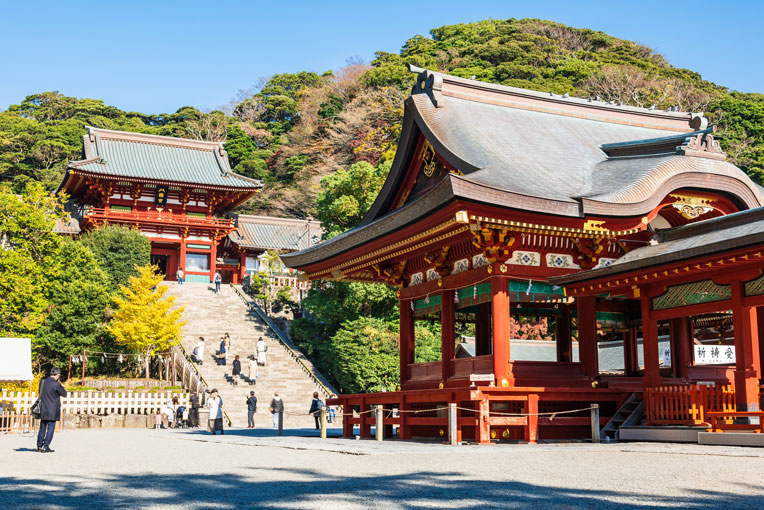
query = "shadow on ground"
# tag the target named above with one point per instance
(311, 489)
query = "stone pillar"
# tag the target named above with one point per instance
(587, 334)
(564, 340)
(406, 338)
(747, 364)
(650, 344)
(447, 340)
(500, 313)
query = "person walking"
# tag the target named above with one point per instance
(222, 354)
(236, 370)
(179, 276)
(215, 405)
(252, 370)
(218, 280)
(261, 350)
(277, 408)
(251, 409)
(315, 409)
(193, 415)
(51, 392)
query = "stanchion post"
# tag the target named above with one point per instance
(379, 426)
(281, 423)
(595, 413)
(452, 424)
(323, 423)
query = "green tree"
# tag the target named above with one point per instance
(346, 195)
(119, 250)
(145, 321)
(78, 293)
(28, 247)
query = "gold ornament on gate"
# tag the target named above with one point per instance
(503, 268)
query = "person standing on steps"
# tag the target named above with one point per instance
(215, 405)
(198, 354)
(227, 339)
(179, 276)
(222, 353)
(252, 370)
(261, 350)
(277, 407)
(193, 415)
(218, 280)
(251, 409)
(315, 409)
(51, 392)
(236, 370)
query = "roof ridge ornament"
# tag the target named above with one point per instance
(430, 83)
(702, 145)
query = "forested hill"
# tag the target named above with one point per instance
(294, 129)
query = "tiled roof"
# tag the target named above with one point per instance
(69, 226)
(724, 233)
(159, 158)
(268, 233)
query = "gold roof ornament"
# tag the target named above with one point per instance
(691, 207)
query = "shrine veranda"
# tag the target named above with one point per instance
(504, 202)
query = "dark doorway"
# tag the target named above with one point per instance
(161, 262)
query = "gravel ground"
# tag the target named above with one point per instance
(147, 469)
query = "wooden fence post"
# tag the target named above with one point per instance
(323, 423)
(379, 422)
(452, 424)
(595, 413)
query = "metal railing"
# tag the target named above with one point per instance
(285, 343)
(183, 361)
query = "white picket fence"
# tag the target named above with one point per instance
(96, 402)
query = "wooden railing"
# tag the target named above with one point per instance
(100, 214)
(686, 405)
(191, 378)
(10, 423)
(97, 402)
(288, 281)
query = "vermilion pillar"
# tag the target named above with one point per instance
(650, 345)
(500, 314)
(681, 340)
(587, 334)
(447, 332)
(760, 331)
(630, 352)
(564, 340)
(747, 369)
(406, 338)
(182, 261)
(213, 259)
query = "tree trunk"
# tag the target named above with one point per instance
(146, 367)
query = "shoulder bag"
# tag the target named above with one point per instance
(36, 409)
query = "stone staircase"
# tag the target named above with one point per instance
(211, 316)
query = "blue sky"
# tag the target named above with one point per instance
(155, 57)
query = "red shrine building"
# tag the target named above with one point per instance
(178, 193)
(495, 197)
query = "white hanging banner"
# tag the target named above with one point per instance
(714, 354)
(15, 359)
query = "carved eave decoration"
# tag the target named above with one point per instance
(691, 207)
(702, 145)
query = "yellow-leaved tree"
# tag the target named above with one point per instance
(144, 320)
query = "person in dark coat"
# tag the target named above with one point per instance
(251, 409)
(277, 408)
(315, 409)
(236, 371)
(51, 392)
(193, 415)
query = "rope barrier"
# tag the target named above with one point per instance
(436, 409)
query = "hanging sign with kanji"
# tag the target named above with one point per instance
(160, 200)
(714, 354)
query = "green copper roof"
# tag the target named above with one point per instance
(159, 158)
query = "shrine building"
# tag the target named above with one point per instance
(178, 193)
(497, 196)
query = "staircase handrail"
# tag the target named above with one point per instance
(285, 343)
(203, 382)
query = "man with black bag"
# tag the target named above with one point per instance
(51, 392)
(193, 416)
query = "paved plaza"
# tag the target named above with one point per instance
(159, 469)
